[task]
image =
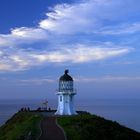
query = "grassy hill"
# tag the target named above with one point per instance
(23, 125)
(91, 127)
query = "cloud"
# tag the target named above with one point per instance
(22, 35)
(70, 19)
(86, 17)
(65, 32)
(29, 33)
(22, 59)
(4, 66)
(124, 29)
(89, 16)
(80, 54)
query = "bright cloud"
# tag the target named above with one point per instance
(22, 35)
(88, 18)
(22, 59)
(29, 33)
(81, 54)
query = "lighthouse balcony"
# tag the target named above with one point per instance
(66, 91)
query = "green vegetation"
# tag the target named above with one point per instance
(23, 125)
(91, 127)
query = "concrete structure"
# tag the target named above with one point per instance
(65, 94)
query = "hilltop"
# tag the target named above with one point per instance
(92, 127)
(25, 125)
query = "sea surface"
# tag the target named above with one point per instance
(124, 111)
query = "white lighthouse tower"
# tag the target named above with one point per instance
(65, 95)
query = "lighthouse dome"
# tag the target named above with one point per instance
(66, 77)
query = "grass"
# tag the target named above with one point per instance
(25, 125)
(91, 127)
(21, 126)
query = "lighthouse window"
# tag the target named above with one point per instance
(60, 98)
(70, 98)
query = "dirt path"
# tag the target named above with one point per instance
(50, 131)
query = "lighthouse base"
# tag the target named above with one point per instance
(65, 113)
(65, 105)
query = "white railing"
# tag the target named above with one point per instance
(66, 91)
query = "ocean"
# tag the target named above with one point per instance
(124, 111)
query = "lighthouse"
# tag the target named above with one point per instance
(66, 94)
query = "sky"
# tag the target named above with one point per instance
(97, 40)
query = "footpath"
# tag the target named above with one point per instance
(50, 130)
